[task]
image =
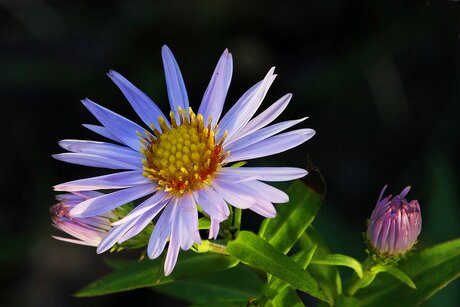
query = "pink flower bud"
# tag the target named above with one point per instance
(86, 231)
(395, 224)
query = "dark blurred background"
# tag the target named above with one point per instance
(378, 79)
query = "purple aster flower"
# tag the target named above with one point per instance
(86, 231)
(182, 165)
(395, 224)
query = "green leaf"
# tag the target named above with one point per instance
(293, 218)
(204, 223)
(431, 270)
(288, 297)
(236, 284)
(253, 250)
(327, 276)
(302, 258)
(346, 301)
(397, 273)
(342, 260)
(148, 273)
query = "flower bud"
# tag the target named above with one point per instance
(86, 231)
(394, 225)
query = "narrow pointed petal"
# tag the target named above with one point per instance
(173, 250)
(266, 192)
(74, 241)
(214, 97)
(77, 197)
(234, 194)
(103, 131)
(188, 222)
(242, 114)
(82, 232)
(118, 125)
(381, 194)
(177, 92)
(214, 229)
(257, 189)
(161, 231)
(92, 160)
(266, 117)
(147, 110)
(262, 134)
(264, 208)
(101, 204)
(113, 236)
(112, 181)
(266, 173)
(108, 150)
(272, 145)
(143, 221)
(145, 206)
(212, 203)
(404, 192)
(228, 119)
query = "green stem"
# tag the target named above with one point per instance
(217, 248)
(358, 283)
(237, 212)
(355, 286)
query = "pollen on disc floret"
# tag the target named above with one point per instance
(182, 157)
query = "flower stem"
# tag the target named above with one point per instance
(368, 276)
(217, 248)
(237, 212)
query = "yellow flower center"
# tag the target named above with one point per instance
(183, 157)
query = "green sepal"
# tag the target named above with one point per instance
(385, 258)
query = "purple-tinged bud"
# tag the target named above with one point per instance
(394, 225)
(86, 231)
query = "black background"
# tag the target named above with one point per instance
(378, 79)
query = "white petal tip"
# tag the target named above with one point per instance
(302, 173)
(283, 201)
(166, 53)
(60, 188)
(86, 101)
(110, 73)
(168, 272)
(76, 212)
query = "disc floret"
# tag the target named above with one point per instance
(183, 157)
